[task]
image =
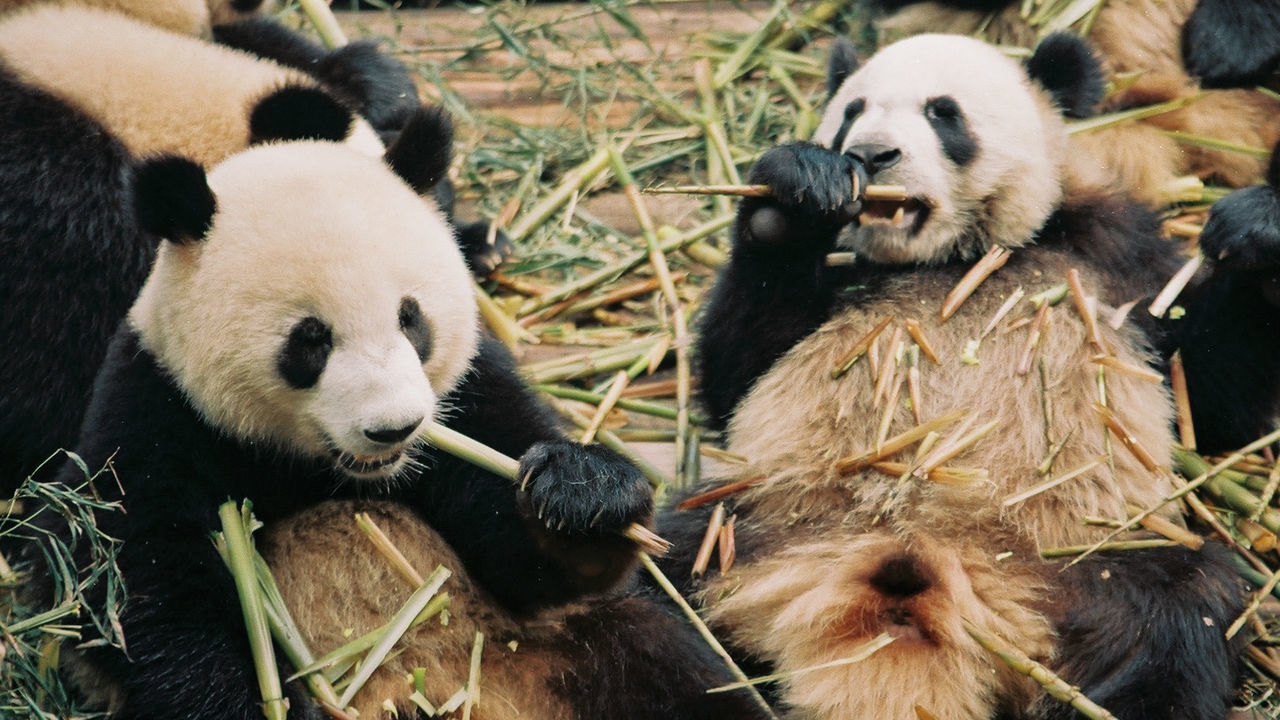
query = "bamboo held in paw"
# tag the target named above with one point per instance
(464, 448)
(885, 193)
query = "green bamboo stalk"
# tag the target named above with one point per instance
(737, 62)
(1233, 494)
(572, 182)
(361, 645)
(239, 553)
(284, 630)
(1069, 550)
(640, 406)
(396, 628)
(326, 25)
(1116, 118)
(862, 653)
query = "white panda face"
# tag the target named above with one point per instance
(325, 313)
(976, 145)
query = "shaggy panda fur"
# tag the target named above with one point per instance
(295, 364)
(828, 561)
(85, 94)
(1155, 50)
(186, 17)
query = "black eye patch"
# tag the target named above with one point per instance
(948, 122)
(851, 113)
(415, 327)
(305, 353)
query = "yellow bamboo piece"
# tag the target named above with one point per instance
(995, 258)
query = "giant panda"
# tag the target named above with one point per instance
(1211, 53)
(289, 346)
(85, 93)
(827, 560)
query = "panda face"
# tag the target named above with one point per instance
(976, 145)
(325, 313)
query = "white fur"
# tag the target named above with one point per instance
(157, 91)
(310, 229)
(1013, 183)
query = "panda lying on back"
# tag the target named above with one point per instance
(289, 345)
(831, 555)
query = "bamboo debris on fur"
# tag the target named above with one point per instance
(953, 447)
(1092, 332)
(1020, 662)
(1164, 527)
(864, 651)
(941, 474)
(859, 348)
(720, 493)
(388, 549)
(918, 337)
(728, 545)
(1127, 439)
(995, 258)
(464, 448)
(1115, 363)
(709, 541)
(850, 465)
(703, 630)
(1164, 299)
(1039, 325)
(1051, 483)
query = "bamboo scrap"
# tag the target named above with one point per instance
(709, 541)
(995, 258)
(881, 193)
(859, 348)
(1092, 332)
(1164, 299)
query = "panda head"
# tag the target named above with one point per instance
(306, 298)
(976, 138)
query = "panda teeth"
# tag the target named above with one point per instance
(364, 465)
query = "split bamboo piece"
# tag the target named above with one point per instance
(995, 258)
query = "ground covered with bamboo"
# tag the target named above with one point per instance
(568, 117)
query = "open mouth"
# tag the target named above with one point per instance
(910, 213)
(365, 464)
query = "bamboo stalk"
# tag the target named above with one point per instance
(953, 448)
(1174, 287)
(1255, 602)
(572, 182)
(850, 465)
(720, 493)
(1003, 310)
(1082, 306)
(1268, 492)
(1020, 662)
(388, 549)
(473, 677)
(1164, 527)
(917, 335)
(1052, 482)
(464, 448)
(859, 348)
(888, 367)
(326, 25)
(396, 628)
(1115, 363)
(639, 406)
(913, 384)
(995, 258)
(941, 474)
(362, 644)
(1121, 431)
(866, 650)
(882, 193)
(728, 545)
(239, 554)
(606, 405)
(1038, 325)
(709, 541)
(703, 630)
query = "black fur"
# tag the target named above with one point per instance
(842, 63)
(74, 257)
(1066, 66)
(851, 113)
(1143, 633)
(182, 620)
(1227, 43)
(305, 353)
(379, 87)
(947, 120)
(299, 113)
(420, 155)
(173, 200)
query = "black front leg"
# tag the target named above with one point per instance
(776, 288)
(551, 537)
(1230, 336)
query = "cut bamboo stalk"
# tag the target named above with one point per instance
(324, 22)
(728, 545)
(913, 384)
(464, 448)
(709, 541)
(1166, 297)
(606, 406)
(503, 325)
(1254, 603)
(719, 493)
(1092, 332)
(917, 334)
(572, 182)
(995, 258)
(1115, 363)
(890, 408)
(703, 630)
(1033, 338)
(888, 367)
(1268, 492)
(940, 474)
(1121, 431)
(850, 465)
(883, 193)
(473, 677)
(861, 653)
(953, 448)
(1052, 482)
(1004, 310)
(388, 549)
(1162, 526)
(1260, 538)
(859, 348)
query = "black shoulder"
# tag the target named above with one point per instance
(1229, 43)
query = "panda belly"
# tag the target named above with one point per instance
(835, 561)
(338, 588)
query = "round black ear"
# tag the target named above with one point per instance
(420, 155)
(842, 63)
(298, 112)
(172, 199)
(1065, 65)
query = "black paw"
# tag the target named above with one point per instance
(583, 489)
(1229, 43)
(483, 253)
(1243, 230)
(809, 186)
(301, 704)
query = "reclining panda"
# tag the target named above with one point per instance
(832, 554)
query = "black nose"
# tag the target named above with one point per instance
(392, 435)
(874, 157)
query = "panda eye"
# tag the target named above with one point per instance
(942, 109)
(415, 327)
(305, 353)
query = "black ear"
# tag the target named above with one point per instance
(842, 63)
(1065, 66)
(297, 112)
(172, 198)
(420, 155)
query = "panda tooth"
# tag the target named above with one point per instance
(898, 215)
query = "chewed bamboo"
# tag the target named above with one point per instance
(884, 193)
(1174, 287)
(995, 258)
(709, 541)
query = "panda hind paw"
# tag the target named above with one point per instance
(484, 251)
(583, 490)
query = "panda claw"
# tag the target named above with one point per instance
(524, 481)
